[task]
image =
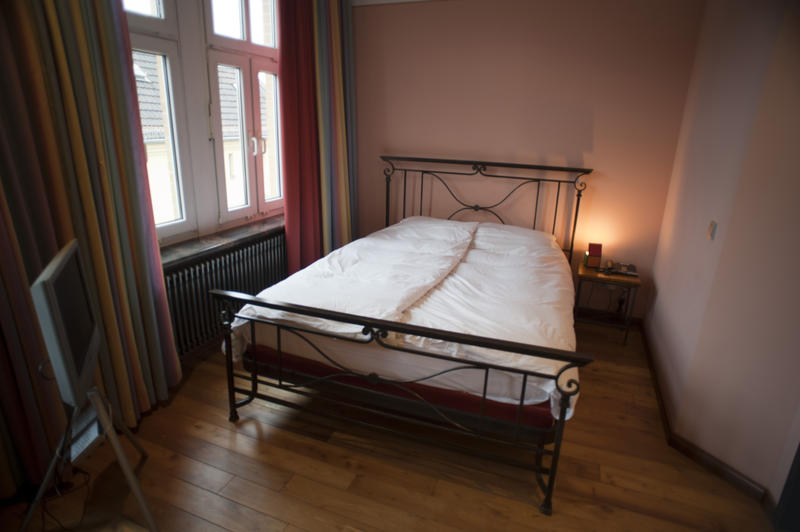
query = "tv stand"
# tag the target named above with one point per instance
(63, 454)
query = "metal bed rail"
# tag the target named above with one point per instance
(407, 405)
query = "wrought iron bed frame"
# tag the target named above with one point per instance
(412, 407)
(426, 167)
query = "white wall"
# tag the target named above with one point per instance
(724, 322)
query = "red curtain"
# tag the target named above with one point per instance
(299, 133)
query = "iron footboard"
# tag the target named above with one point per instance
(406, 404)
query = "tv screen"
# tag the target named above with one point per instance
(70, 326)
(70, 291)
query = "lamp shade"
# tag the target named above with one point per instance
(593, 255)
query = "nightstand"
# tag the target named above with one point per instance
(630, 284)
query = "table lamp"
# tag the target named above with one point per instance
(593, 254)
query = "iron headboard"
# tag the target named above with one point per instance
(440, 169)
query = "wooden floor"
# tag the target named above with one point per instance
(282, 471)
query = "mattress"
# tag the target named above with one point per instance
(484, 279)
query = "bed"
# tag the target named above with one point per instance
(453, 320)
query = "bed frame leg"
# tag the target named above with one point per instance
(547, 505)
(227, 319)
(233, 415)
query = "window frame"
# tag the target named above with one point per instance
(215, 58)
(183, 160)
(166, 27)
(192, 94)
(273, 206)
(260, 58)
(245, 46)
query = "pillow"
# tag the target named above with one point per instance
(512, 240)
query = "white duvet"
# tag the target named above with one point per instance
(478, 278)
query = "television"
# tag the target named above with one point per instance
(69, 325)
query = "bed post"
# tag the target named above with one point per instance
(227, 319)
(547, 505)
(388, 173)
(565, 395)
(580, 186)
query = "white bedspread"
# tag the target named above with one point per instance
(484, 279)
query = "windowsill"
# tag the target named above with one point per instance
(174, 256)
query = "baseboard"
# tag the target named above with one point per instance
(740, 481)
(705, 459)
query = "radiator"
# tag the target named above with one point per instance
(249, 265)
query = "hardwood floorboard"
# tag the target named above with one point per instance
(292, 509)
(684, 498)
(262, 450)
(281, 470)
(170, 518)
(163, 460)
(642, 503)
(374, 513)
(429, 505)
(479, 474)
(208, 386)
(206, 505)
(250, 468)
(358, 464)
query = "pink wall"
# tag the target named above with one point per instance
(724, 324)
(574, 82)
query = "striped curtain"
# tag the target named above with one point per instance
(335, 121)
(73, 166)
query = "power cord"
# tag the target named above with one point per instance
(86, 484)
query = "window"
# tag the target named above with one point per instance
(227, 18)
(213, 147)
(270, 159)
(155, 112)
(148, 8)
(246, 135)
(245, 107)
(155, 73)
(262, 22)
(152, 17)
(232, 126)
(251, 21)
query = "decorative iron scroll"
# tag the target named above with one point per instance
(439, 170)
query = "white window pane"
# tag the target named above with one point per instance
(262, 22)
(155, 111)
(227, 18)
(233, 138)
(267, 89)
(148, 8)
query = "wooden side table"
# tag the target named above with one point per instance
(628, 283)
